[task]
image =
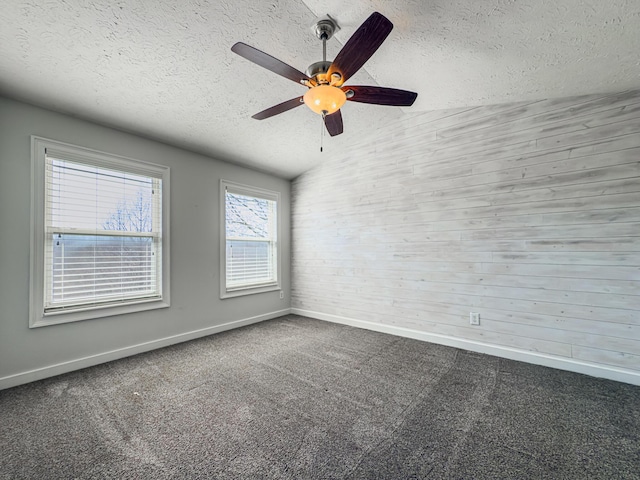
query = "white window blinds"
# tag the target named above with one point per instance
(251, 238)
(103, 234)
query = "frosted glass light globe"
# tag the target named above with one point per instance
(325, 99)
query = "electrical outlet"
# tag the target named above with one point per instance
(281, 294)
(474, 318)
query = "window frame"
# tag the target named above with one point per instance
(256, 192)
(38, 317)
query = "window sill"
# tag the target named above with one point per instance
(241, 291)
(88, 313)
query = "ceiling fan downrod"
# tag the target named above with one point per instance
(324, 29)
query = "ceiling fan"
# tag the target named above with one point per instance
(326, 92)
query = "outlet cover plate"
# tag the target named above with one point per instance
(474, 318)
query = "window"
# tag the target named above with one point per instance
(249, 243)
(99, 234)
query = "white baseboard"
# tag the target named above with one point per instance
(57, 369)
(505, 352)
(560, 363)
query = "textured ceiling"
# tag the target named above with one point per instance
(164, 69)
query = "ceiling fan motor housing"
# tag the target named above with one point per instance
(318, 68)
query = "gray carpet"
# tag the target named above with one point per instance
(300, 398)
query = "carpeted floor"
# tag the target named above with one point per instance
(305, 399)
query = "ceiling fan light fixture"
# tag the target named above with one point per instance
(324, 79)
(325, 99)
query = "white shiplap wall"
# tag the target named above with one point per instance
(527, 213)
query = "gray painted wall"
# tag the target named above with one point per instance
(196, 309)
(526, 213)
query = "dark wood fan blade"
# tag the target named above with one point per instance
(267, 61)
(381, 95)
(359, 48)
(333, 123)
(280, 108)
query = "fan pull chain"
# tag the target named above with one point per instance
(324, 114)
(322, 131)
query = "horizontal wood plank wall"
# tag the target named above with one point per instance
(527, 213)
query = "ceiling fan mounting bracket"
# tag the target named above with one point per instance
(325, 27)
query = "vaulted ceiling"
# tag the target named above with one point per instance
(164, 69)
